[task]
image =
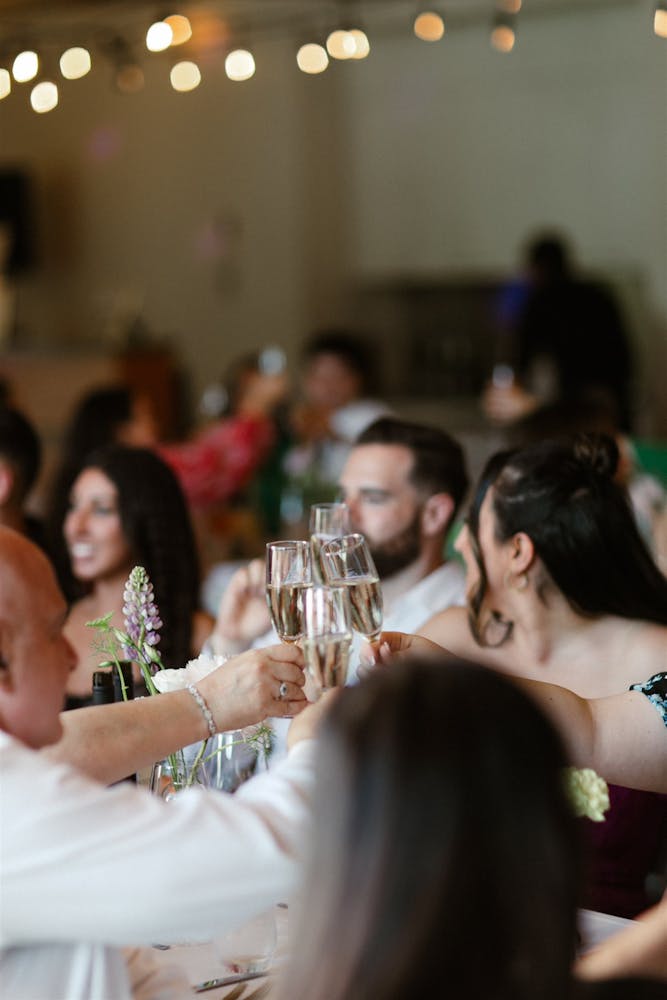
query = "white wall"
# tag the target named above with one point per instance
(423, 159)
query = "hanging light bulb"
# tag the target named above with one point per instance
(44, 97)
(159, 37)
(5, 83)
(312, 58)
(660, 19)
(240, 65)
(341, 44)
(429, 26)
(509, 6)
(503, 34)
(181, 29)
(361, 44)
(185, 76)
(75, 63)
(26, 66)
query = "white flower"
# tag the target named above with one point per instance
(588, 792)
(193, 671)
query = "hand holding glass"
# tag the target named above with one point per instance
(347, 563)
(288, 574)
(327, 637)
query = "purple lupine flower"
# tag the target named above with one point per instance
(142, 619)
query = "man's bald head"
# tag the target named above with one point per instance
(35, 658)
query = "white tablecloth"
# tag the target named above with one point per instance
(200, 962)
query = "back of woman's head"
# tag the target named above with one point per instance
(444, 849)
(156, 524)
(564, 496)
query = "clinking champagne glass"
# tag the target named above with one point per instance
(327, 636)
(347, 563)
(288, 574)
(327, 521)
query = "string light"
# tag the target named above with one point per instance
(240, 65)
(185, 76)
(429, 26)
(75, 63)
(660, 19)
(341, 44)
(181, 29)
(159, 37)
(503, 34)
(44, 97)
(361, 44)
(312, 58)
(5, 83)
(26, 66)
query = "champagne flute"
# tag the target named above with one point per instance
(327, 636)
(327, 521)
(348, 563)
(288, 574)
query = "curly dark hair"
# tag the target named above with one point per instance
(156, 523)
(563, 495)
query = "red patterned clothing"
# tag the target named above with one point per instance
(221, 460)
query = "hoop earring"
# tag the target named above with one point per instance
(518, 582)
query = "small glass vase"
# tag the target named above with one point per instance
(231, 761)
(187, 768)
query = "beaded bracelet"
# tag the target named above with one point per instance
(204, 709)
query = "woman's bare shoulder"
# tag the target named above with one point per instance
(450, 629)
(652, 642)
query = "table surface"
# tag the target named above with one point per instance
(200, 963)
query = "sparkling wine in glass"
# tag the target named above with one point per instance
(327, 636)
(288, 575)
(347, 563)
(327, 521)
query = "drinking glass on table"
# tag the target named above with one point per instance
(347, 563)
(327, 521)
(288, 574)
(327, 636)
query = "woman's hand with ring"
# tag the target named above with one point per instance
(254, 685)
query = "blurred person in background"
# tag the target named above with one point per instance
(20, 460)
(336, 406)
(109, 414)
(126, 508)
(570, 341)
(221, 459)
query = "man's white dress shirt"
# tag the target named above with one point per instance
(85, 869)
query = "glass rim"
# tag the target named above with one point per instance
(351, 539)
(287, 543)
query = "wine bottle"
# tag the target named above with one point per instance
(103, 687)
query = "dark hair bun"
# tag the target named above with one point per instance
(597, 453)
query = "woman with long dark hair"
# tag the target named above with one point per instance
(561, 588)
(108, 414)
(126, 509)
(445, 858)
